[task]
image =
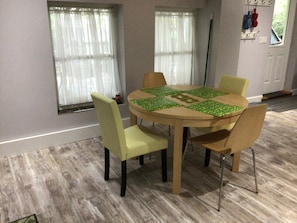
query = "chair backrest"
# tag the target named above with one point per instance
(247, 129)
(111, 124)
(236, 85)
(153, 79)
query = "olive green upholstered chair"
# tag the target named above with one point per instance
(234, 85)
(245, 132)
(131, 142)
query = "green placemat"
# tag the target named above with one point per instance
(214, 108)
(205, 92)
(156, 103)
(161, 91)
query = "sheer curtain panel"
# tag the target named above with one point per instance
(175, 46)
(85, 57)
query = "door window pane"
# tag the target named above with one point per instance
(279, 22)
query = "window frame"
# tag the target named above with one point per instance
(193, 51)
(85, 106)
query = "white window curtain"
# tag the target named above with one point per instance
(175, 46)
(84, 52)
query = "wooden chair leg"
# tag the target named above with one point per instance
(207, 157)
(236, 161)
(106, 158)
(185, 137)
(141, 160)
(164, 164)
(124, 178)
(185, 151)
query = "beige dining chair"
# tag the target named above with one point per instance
(154, 79)
(134, 141)
(245, 132)
(228, 83)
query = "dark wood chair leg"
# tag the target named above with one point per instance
(106, 158)
(124, 178)
(141, 160)
(207, 157)
(164, 165)
(185, 138)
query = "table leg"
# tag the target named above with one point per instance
(236, 161)
(177, 158)
(133, 119)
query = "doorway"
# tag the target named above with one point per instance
(278, 52)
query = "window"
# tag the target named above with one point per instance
(85, 57)
(274, 39)
(279, 22)
(174, 45)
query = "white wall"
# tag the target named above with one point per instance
(291, 78)
(28, 100)
(253, 54)
(28, 112)
(224, 43)
(27, 84)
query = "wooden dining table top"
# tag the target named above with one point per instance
(184, 106)
(214, 107)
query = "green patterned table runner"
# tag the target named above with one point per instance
(155, 103)
(161, 91)
(205, 92)
(208, 106)
(214, 108)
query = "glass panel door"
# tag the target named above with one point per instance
(279, 22)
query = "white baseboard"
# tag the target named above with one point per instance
(27, 144)
(255, 99)
(21, 145)
(294, 91)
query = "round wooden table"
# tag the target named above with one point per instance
(145, 104)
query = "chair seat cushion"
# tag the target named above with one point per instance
(140, 140)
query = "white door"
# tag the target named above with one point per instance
(278, 55)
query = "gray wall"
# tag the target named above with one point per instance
(28, 100)
(253, 55)
(225, 42)
(27, 81)
(291, 78)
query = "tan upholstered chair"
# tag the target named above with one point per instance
(242, 136)
(154, 79)
(134, 141)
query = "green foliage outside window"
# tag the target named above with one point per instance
(280, 17)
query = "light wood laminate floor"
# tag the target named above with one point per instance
(66, 183)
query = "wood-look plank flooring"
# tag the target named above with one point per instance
(66, 183)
